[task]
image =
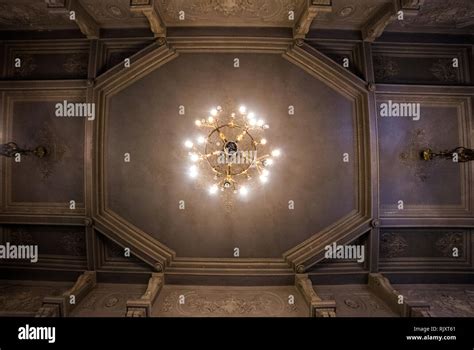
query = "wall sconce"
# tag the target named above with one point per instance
(463, 154)
(11, 149)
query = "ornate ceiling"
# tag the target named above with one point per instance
(453, 16)
(343, 171)
(348, 14)
(440, 16)
(262, 226)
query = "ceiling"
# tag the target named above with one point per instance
(262, 226)
(443, 16)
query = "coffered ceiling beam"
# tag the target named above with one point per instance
(388, 13)
(311, 9)
(149, 9)
(77, 13)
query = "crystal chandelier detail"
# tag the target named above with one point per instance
(232, 153)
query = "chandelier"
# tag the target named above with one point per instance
(232, 153)
(462, 154)
(11, 149)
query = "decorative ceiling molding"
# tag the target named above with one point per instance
(377, 23)
(232, 44)
(317, 306)
(310, 10)
(388, 14)
(382, 288)
(358, 221)
(159, 256)
(114, 14)
(83, 19)
(35, 209)
(348, 14)
(241, 13)
(149, 9)
(465, 207)
(36, 15)
(143, 307)
(59, 306)
(436, 16)
(108, 223)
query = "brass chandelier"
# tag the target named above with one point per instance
(462, 154)
(233, 152)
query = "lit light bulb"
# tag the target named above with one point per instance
(210, 119)
(214, 112)
(201, 140)
(276, 153)
(265, 172)
(260, 122)
(219, 108)
(263, 141)
(213, 189)
(193, 171)
(243, 191)
(251, 115)
(266, 126)
(194, 157)
(242, 109)
(268, 162)
(188, 144)
(198, 122)
(263, 178)
(252, 122)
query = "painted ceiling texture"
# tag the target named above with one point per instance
(112, 206)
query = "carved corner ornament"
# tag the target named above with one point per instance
(371, 87)
(388, 13)
(158, 267)
(62, 306)
(375, 223)
(142, 307)
(88, 222)
(311, 9)
(381, 287)
(149, 9)
(86, 23)
(375, 25)
(317, 306)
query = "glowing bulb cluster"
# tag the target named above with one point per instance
(236, 133)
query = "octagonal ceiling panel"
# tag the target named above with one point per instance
(143, 120)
